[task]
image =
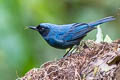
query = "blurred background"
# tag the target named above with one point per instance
(23, 49)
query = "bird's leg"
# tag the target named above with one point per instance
(74, 49)
(68, 52)
(77, 48)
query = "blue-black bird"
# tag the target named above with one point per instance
(68, 35)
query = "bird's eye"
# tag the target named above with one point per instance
(42, 28)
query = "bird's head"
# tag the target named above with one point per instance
(43, 28)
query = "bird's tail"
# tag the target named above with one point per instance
(104, 20)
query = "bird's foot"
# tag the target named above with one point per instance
(71, 51)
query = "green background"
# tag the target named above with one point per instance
(23, 49)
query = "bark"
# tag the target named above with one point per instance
(90, 61)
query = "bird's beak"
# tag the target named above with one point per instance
(33, 27)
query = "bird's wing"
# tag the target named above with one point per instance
(77, 32)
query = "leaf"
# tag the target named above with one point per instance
(107, 39)
(99, 35)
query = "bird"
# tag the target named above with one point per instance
(67, 35)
